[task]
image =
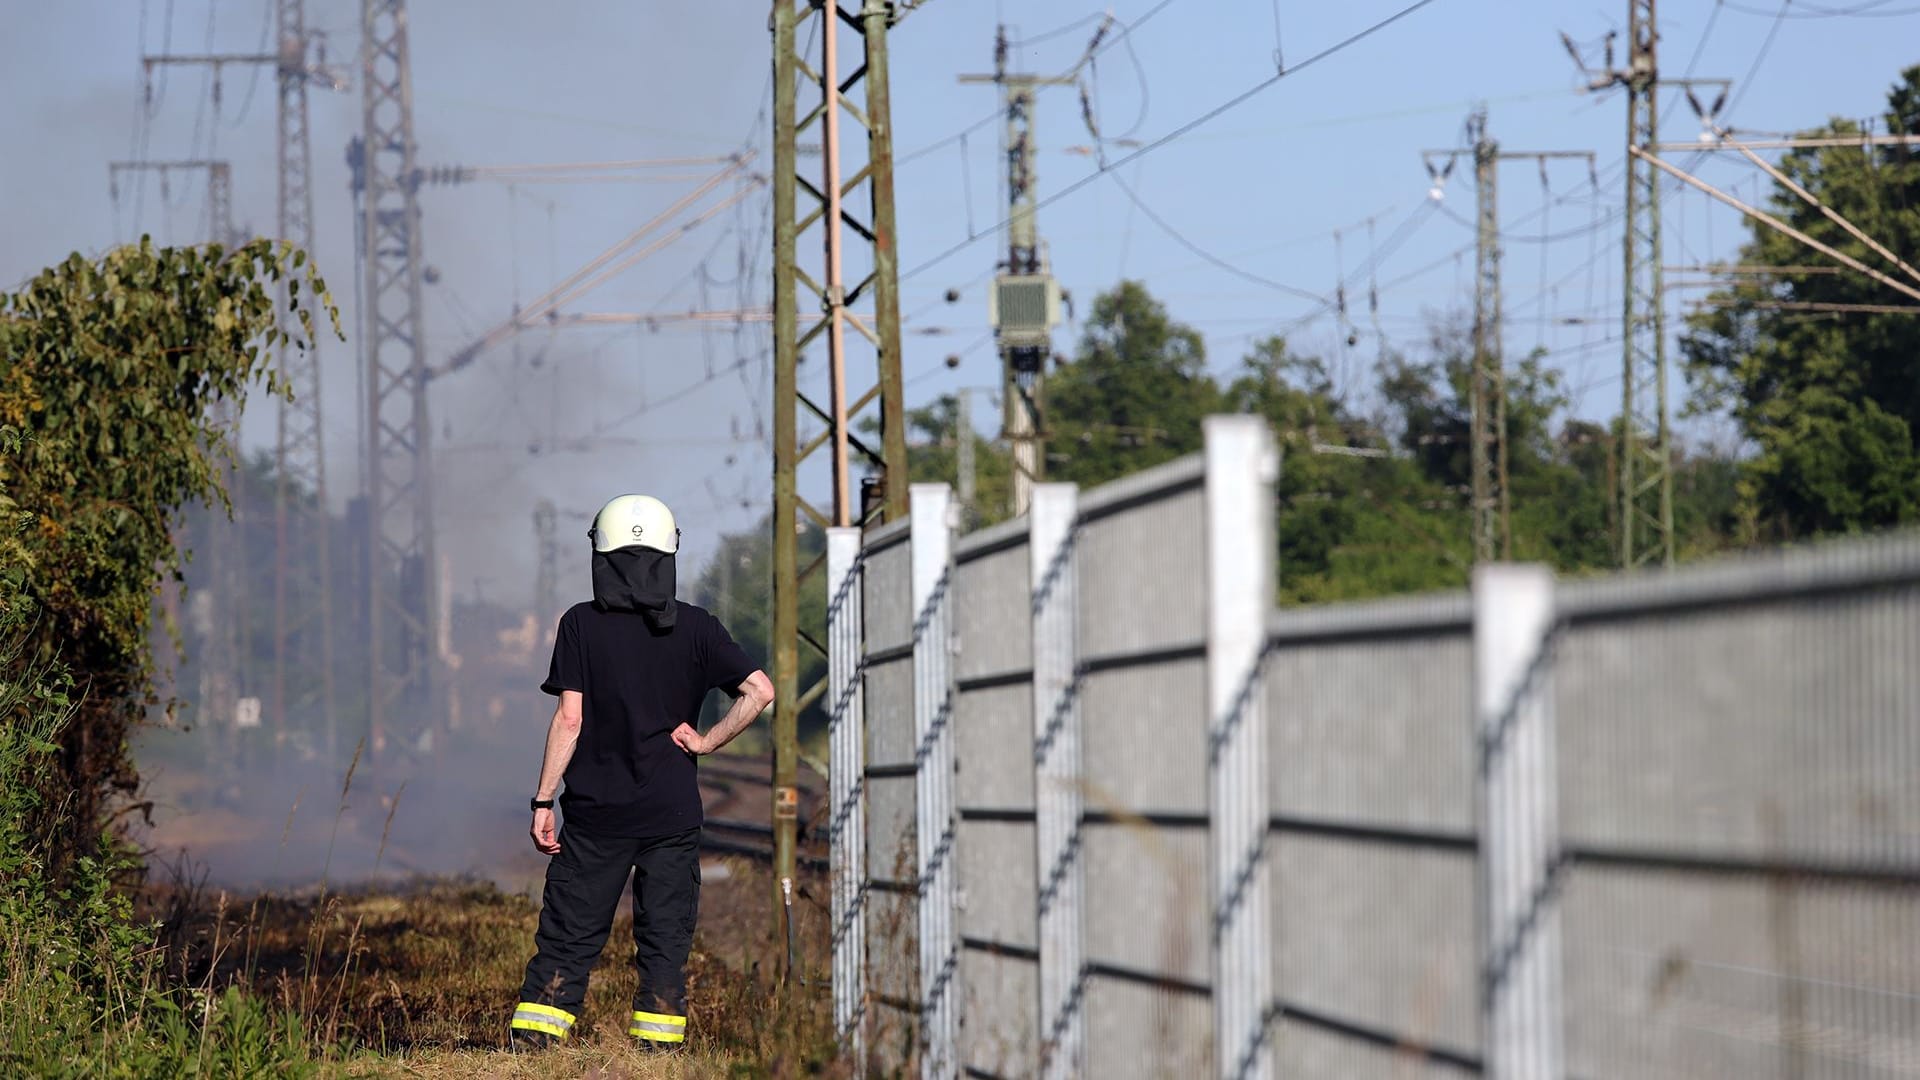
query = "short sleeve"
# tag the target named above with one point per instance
(726, 662)
(567, 671)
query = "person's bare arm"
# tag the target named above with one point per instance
(563, 734)
(756, 693)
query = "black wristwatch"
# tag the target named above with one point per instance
(542, 804)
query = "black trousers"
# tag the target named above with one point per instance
(581, 895)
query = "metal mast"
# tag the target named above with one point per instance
(963, 455)
(300, 448)
(1492, 502)
(1646, 466)
(884, 494)
(1488, 379)
(1646, 448)
(219, 172)
(1025, 302)
(226, 636)
(402, 573)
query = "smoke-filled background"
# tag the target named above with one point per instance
(573, 416)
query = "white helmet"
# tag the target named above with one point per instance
(635, 521)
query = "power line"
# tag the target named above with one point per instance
(1202, 253)
(1700, 45)
(1198, 121)
(1766, 46)
(1057, 31)
(1816, 11)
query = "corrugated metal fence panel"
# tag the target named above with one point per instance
(1739, 747)
(1143, 709)
(1371, 716)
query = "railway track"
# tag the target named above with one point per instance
(738, 795)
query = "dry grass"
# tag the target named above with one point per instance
(422, 981)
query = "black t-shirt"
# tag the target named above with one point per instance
(627, 776)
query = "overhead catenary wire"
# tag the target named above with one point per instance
(1777, 224)
(1171, 136)
(1057, 31)
(1873, 9)
(1766, 46)
(253, 70)
(1179, 238)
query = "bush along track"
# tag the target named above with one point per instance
(109, 368)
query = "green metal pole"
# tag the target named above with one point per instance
(1629, 426)
(1646, 469)
(1486, 282)
(886, 268)
(786, 460)
(1657, 293)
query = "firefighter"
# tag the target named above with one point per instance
(631, 669)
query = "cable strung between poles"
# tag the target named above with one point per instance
(1198, 121)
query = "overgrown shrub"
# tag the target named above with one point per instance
(109, 371)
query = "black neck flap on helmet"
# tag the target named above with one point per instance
(638, 580)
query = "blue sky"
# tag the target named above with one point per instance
(1264, 187)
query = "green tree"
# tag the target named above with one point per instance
(1831, 401)
(933, 440)
(108, 369)
(1134, 395)
(1355, 519)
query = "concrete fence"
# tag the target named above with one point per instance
(1099, 810)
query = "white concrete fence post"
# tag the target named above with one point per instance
(931, 512)
(846, 739)
(1057, 781)
(1513, 622)
(1242, 464)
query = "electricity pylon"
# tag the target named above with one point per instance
(1487, 380)
(225, 641)
(884, 494)
(403, 632)
(1024, 306)
(299, 61)
(220, 228)
(300, 442)
(1646, 441)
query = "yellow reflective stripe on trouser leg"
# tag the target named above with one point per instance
(531, 1016)
(658, 1027)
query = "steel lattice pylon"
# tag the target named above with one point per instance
(1492, 499)
(402, 583)
(300, 447)
(821, 109)
(1646, 467)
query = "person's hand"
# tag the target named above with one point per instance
(690, 740)
(544, 835)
